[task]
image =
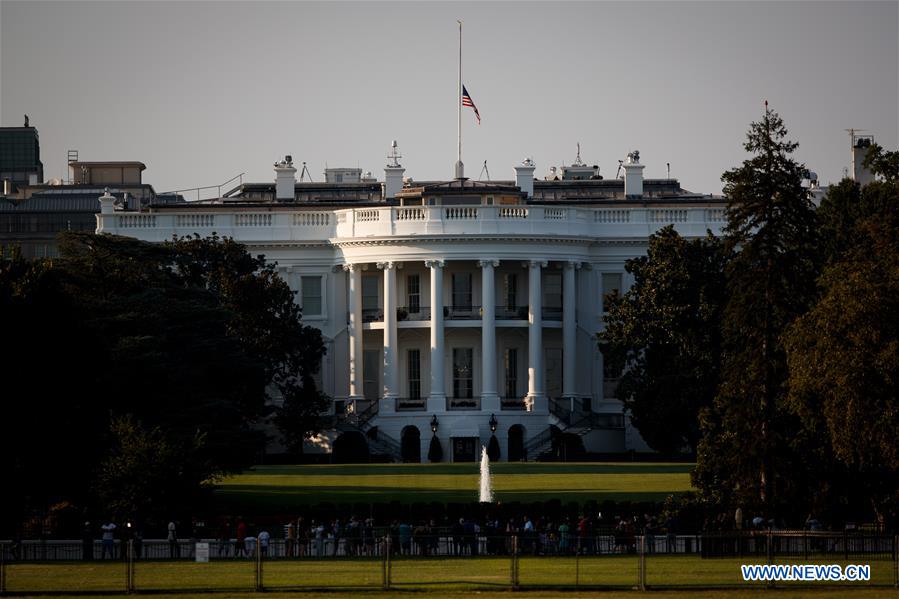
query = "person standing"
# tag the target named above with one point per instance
(174, 549)
(240, 546)
(302, 537)
(108, 540)
(224, 537)
(290, 537)
(263, 539)
(87, 542)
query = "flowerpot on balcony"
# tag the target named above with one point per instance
(401, 314)
(522, 312)
(445, 312)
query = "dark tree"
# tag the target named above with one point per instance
(435, 450)
(125, 344)
(493, 452)
(749, 450)
(843, 355)
(664, 335)
(267, 322)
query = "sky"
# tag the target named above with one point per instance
(203, 91)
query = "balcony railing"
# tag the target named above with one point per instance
(513, 403)
(372, 315)
(411, 404)
(413, 313)
(511, 312)
(463, 403)
(468, 312)
(552, 313)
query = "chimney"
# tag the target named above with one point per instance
(285, 179)
(860, 145)
(524, 177)
(393, 173)
(633, 175)
(106, 202)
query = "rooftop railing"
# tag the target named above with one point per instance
(276, 224)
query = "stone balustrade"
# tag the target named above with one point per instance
(394, 221)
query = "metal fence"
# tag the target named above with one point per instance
(387, 562)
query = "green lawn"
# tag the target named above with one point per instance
(689, 574)
(285, 487)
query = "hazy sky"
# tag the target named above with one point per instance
(202, 91)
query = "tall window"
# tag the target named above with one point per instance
(552, 290)
(462, 290)
(311, 288)
(371, 366)
(511, 291)
(462, 373)
(511, 369)
(370, 292)
(413, 370)
(413, 291)
(611, 283)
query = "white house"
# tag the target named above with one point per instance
(453, 305)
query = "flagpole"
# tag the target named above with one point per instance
(459, 106)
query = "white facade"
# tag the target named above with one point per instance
(474, 302)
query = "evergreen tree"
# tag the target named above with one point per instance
(749, 451)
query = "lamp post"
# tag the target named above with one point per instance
(492, 423)
(435, 452)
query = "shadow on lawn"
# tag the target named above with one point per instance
(467, 469)
(262, 497)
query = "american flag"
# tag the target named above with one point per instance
(466, 101)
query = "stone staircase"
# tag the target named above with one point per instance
(564, 420)
(379, 443)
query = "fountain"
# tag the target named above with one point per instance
(486, 490)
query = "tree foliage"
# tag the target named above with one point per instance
(843, 355)
(664, 335)
(749, 451)
(178, 344)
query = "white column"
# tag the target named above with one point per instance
(354, 330)
(489, 398)
(569, 332)
(391, 378)
(437, 398)
(536, 389)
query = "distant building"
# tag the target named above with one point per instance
(33, 212)
(459, 305)
(20, 158)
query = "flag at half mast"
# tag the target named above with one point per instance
(467, 101)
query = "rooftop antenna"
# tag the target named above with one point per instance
(394, 156)
(852, 133)
(668, 165)
(305, 173)
(577, 161)
(618, 172)
(484, 170)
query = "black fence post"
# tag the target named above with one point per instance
(259, 583)
(896, 561)
(2, 568)
(129, 567)
(641, 583)
(514, 563)
(577, 566)
(385, 564)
